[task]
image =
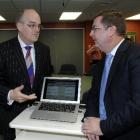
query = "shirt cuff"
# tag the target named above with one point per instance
(9, 101)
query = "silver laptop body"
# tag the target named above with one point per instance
(60, 99)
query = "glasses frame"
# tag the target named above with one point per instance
(93, 28)
(33, 26)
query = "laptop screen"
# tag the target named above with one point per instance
(61, 89)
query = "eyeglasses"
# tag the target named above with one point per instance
(94, 29)
(33, 26)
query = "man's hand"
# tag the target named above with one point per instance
(94, 53)
(92, 137)
(20, 97)
(91, 126)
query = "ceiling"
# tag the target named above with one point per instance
(50, 10)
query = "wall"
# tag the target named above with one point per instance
(66, 46)
(132, 26)
(88, 42)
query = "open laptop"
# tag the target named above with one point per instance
(60, 99)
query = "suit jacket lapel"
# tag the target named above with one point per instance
(37, 60)
(116, 59)
(20, 58)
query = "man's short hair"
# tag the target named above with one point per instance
(113, 18)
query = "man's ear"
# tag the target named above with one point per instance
(19, 26)
(113, 30)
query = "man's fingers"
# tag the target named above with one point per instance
(91, 137)
(17, 95)
(20, 88)
(28, 97)
(97, 138)
(32, 96)
(22, 97)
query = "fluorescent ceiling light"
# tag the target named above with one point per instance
(70, 15)
(2, 18)
(135, 17)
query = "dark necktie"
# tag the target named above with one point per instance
(29, 64)
(103, 86)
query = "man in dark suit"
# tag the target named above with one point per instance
(16, 89)
(114, 113)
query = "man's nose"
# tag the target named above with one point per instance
(37, 28)
(91, 34)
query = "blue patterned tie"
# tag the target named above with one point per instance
(29, 64)
(102, 110)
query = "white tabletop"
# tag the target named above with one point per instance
(24, 122)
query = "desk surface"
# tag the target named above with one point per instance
(24, 122)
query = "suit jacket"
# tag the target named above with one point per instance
(13, 73)
(122, 95)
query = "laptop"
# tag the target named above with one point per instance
(60, 99)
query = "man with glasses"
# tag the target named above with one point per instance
(113, 106)
(24, 62)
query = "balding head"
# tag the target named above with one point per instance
(27, 13)
(28, 24)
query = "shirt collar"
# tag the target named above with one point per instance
(113, 52)
(22, 44)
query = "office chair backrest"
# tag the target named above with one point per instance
(68, 69)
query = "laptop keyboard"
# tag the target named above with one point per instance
(57, 107)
